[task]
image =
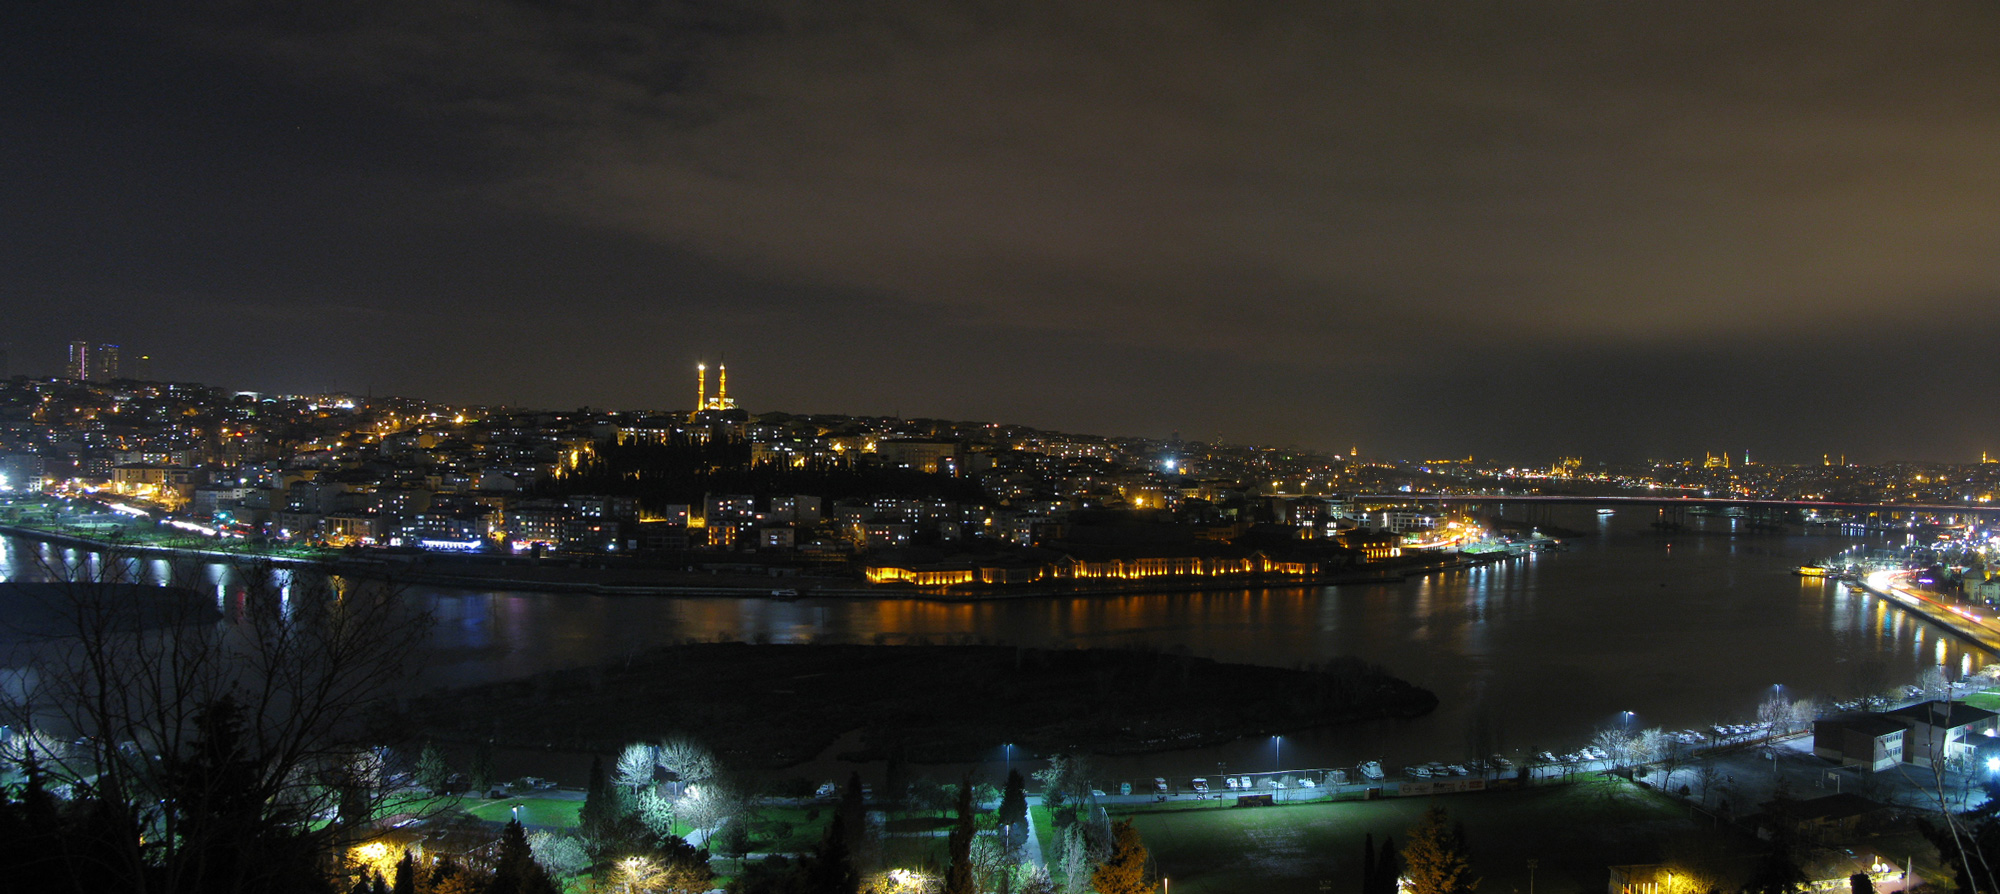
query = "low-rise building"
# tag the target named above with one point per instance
(1944, 730)
(1870, 741)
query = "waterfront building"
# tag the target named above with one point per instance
(1942, 730)
(1870, 741)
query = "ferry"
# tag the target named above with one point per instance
(1606, 511)
(1810, 571)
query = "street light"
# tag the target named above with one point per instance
(1275, 762)
(1009, 748)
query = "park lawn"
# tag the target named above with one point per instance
(417, 803)
(1574, 830)
(930, 852)
(1045, 829)
(1987, 700)
(786, 830)
(552, 812)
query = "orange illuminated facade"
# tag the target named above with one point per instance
(1071, 568)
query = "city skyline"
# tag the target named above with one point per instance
(1610, 231)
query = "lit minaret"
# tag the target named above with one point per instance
(700, 389)
(722, 386)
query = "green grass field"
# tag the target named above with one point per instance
(1575, 831)
(786, 830)
(1045, 825)
(534, 811)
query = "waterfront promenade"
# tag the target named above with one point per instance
(1961, 620)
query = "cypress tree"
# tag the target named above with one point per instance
(599, 810)
(515, 870)
(1388, 867)
(830, 867)
(958, 876)
(1014, 804)
(406, 875)
(853, 816)
(1368, 864)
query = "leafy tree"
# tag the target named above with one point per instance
(1014, 804)
(655, 811)
(1860, 883)
(928, 796)
(1072, 862)
(432, 772)
(480, 773)
(1125, 872)
(732, 840)
(1435, 857)
(1065, 778)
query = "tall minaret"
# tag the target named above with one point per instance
(722, 386)
(700, 388)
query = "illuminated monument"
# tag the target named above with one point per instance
(702, 402)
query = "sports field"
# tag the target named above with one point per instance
(1574, 831)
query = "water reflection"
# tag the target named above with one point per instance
(1685, 630)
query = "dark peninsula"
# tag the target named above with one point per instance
(777, 705)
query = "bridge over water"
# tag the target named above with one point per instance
(1984, 510)
(1674, 508)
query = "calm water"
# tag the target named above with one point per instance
(1684, 630)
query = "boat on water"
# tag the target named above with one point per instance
(1606, 511)
(1810, 571)
(1370, 770)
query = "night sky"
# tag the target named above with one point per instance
(1516, 230)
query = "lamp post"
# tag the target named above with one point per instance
(1275, 744)
(1009, 749)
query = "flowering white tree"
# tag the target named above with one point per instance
(635, 766)
(689, 761)
(563, 856)
(654, 810)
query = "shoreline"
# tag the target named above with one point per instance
(786, 588)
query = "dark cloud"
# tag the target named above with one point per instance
(1292, 221)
